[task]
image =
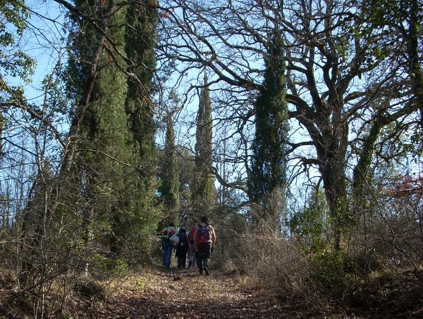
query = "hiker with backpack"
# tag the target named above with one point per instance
(192, 254)
(182, 248)
(167, 244)
(204, 240)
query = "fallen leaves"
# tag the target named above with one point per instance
(155, 294)
(189, 296)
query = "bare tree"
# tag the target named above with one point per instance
(341, 91)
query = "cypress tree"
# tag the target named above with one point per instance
(203, 190)
(169, 188)
(139, 47)
(267, 176)
(140, 42)
(113, 122)
(100, 117)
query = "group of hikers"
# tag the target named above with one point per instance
(196, 246)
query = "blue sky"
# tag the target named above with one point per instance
(44, 40)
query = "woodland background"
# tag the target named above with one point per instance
(295, 126)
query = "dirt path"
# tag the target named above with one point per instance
(185, 294)
(156, 292)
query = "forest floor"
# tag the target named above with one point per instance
(185, 294)
(157, 292)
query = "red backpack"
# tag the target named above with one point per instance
(203, 234)
(167, 233)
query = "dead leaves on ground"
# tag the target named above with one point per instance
(191, 296)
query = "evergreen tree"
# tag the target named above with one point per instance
(203, 190)
(140, 41)
(141, 186)
(267, 176)
(100, 117)
(113, 126)
(169, 188)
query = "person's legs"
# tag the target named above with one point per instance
(192, 253)
(199, 262)
(168, 253)
(206, 258)
(183, 260)
(164, 257)
(203, 256)
(206, 265)
(194, 257)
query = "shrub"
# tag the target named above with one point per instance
(90, 290)
(327, 272)
(274, 263)
(118, 265)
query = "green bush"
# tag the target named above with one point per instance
(112, 264)
(327, 271)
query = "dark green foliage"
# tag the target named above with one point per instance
(103, 123)
(203, 191)
(139, 38)
(115, 158)
(269, 149)
(328, 271)
(169, 188)
(139, 47)
(308, 226)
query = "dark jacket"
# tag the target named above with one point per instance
(182, 250)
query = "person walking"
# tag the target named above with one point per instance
(204, 240)
(192, 253)
(182, 248)
(167, 244)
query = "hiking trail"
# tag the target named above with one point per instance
(182, 294)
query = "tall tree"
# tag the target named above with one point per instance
(113, 157)
(104, 126)
(140, 40)
(203, 190)
(169, 188)
(267, 173)
(398, 25)
(333, 77)
(402, 18)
